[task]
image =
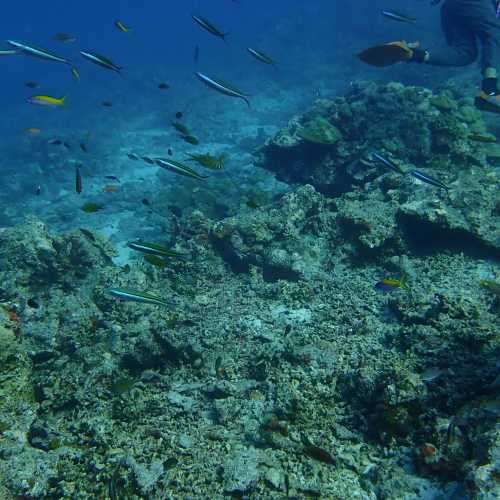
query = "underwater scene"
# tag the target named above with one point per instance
(250, 249)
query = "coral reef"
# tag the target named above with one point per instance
(277, 370)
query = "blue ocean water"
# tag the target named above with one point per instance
(313, 42)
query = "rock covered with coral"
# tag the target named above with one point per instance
(439, 134)
(276, 368)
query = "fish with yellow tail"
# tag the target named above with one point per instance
(47, 101)
(122, 27)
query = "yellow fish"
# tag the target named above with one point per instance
(33, 131)
(47, 100)
(122, 27)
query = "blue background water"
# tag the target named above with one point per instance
(314, 42)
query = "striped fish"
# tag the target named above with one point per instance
(31, 50)
(207, 25)
(153, 249)
(397, 16)
(179, 168)
(427, 179)
(389, 164)
(135, 296)
(259, 55)
(100, 60)
(222, 87)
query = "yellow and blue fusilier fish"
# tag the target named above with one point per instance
(136, 296)
(260, 56)
(47, 100)
(222, 87)
(207, 25)
(100, 60)
(31, 50)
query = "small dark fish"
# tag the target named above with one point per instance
(88, 234)
(491, 285)
(318, 454)
(91, 208)
(67, 145)
(112, 178)
(182, 129)
(190, 139)
(55, 142)
(175, 210)
(146, 202)
(178, 115)
(33, 303)
(38, 190)
(78, 181)
(196, 54)
(389, 164)
(170, 152)
(32, 85)
(149, 160)
(251, 203)
(64, 37)
(133, 156)
(83, 147)
(163, 86)
(156, 261)
(428, 180)
(397, 16)
(483, 138)
(107, 104)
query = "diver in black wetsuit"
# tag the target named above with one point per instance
(466, 25)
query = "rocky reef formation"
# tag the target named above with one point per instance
(276, 370)
(443, 136)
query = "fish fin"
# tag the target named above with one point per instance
(247, 101)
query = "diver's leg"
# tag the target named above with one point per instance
(462, 47)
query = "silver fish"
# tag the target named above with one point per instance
(259, 55)
(135, 296)
(178, 168)
(397, 16)
(222, 87)
(100, 60)
(31, 50)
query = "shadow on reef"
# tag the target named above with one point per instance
(426, 239)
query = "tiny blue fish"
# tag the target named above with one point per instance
(427, 179)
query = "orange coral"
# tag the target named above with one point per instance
(13, 316)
